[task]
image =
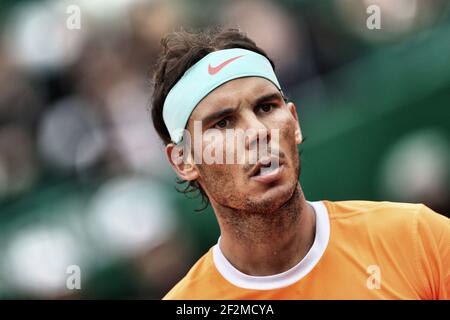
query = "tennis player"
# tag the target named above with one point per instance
(209, 88)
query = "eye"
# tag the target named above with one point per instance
(222, 124)
(266, 108)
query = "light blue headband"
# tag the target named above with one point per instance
(206, 75)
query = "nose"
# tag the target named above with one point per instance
(257, 132)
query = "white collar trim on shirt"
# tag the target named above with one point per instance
(284, 279)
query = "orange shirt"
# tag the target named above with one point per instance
(362, 250)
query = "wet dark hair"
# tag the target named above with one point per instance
(180, 51)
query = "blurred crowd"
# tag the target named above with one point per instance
(83, 180)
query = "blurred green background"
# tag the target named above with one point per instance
(83, 179)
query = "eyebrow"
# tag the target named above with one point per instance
(217, 115)
(269, 97)
(228, 111)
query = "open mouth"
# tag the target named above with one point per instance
(267, 170)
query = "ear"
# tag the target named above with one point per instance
(298, 132)
(182, 164)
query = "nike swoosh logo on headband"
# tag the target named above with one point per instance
(213, 70)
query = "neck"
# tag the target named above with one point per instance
(268, 243)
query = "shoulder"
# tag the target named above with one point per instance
(380, 213)
(345, 209)
(388, 219)
(396, 235)
(407, 221)
(194, 281)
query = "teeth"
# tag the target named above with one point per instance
(267, 170)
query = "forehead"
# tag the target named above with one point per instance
(233, 93)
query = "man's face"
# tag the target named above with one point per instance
(255, 106)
